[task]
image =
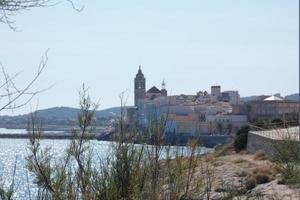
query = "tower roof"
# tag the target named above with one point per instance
(140, 70)
(140, 73)
(163, 85)
(154, 90)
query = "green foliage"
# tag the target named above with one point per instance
(286, 120)
(286, 157)
(129, 172)
(5, 195)
(69, 177)
(241, 138)
(261, 123)
(174, 171)
(278, 123)
(218, 147)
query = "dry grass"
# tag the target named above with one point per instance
(265, 169)
(259, 155)
(240, 160)
(261, 175)
(224, 150)
(244, 152)
(243, 174)
(218, 163)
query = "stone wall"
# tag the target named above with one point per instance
(258, 142)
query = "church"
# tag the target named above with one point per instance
(140, 89)
(187, 114)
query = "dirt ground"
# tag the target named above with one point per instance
(241, 176)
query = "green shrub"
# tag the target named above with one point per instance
(250, 183)
(219, 147)
(241, 139)
(286, 157)
(262, 178)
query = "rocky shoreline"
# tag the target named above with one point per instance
(241, 176)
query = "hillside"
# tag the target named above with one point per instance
(58, 116)
(249, 98)
(293, 97)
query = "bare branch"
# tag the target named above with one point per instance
(9, 8)
(13, 94)
(74, 7)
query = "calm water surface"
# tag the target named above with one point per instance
(14, 151)
(22, 131)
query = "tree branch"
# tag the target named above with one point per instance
(14, 94)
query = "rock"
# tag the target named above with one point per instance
(273, 190)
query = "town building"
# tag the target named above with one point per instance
(215, 93)
(233, 97)
(202, 113)
(267, 107)
(271, 107)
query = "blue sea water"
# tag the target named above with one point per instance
(14, 152)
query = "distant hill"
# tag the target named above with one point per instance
(58, 116)
(250, 98)
(293, 97)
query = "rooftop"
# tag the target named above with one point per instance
(154, 90)
(274, 98)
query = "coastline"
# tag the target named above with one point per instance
(208, 141)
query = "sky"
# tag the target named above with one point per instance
(245, 45)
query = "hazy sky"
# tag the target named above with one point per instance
(245, 45)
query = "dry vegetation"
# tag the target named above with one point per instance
(243, 176)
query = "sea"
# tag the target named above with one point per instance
(13, 153)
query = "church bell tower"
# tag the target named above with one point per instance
(139, 87)
(164, 91)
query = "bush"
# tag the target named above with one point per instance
(240, 160)
(264, 170)
(128, 172)
(250, 183)
(241, 139)
(256, 178)
(286, 157)
(278, 123)
(262, 178)
(219, 147)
